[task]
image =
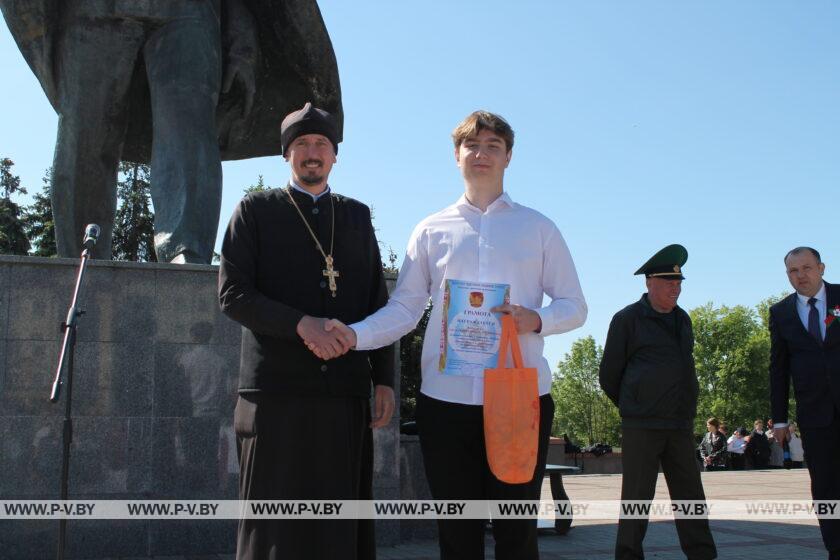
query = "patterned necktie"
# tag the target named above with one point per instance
(814, 321)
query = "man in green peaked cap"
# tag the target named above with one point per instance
(667, 263)
(648, 372)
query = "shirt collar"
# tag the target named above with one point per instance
(503, 200)
(315, 197)
(820, 296)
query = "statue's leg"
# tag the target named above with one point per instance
(183, 62)
(95, 62)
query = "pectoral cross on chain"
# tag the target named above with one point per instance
(331, 273)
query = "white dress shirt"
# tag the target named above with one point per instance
(736, 444)
(804, 309)
(507, 244)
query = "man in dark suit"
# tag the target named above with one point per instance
(805, 347)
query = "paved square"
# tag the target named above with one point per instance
(735, 540)
(594, 539)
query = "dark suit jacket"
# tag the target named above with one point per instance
(814, 368)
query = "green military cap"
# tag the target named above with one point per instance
(666, 263)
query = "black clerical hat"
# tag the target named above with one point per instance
(666, 263)
(309, 120)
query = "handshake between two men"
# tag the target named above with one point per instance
(330, 338)
(326, 338)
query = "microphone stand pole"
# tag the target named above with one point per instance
(65, 365)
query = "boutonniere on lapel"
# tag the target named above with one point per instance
(832, 316)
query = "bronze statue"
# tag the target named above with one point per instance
(180, 84)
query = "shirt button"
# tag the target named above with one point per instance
(315, 210)
(324, 367)
(323, 283)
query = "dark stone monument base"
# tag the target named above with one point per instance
(153, 398)
(413, 486)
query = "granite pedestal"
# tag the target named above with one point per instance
(153, 397)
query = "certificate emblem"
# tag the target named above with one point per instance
(470, 333)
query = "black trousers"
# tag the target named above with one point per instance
(642, 452)
(822, 453)
(455, 458)
(316, 448)
(736, 461)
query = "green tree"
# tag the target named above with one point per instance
(732, 357)
(391, 267)
(13, 239)
(763, 308)
(411, 350)
(259, 186)
(134, 224)
(38, 220)
(583, 411)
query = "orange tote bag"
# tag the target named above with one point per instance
(511, 413)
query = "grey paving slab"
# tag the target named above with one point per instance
(594, 540)
(735, 540)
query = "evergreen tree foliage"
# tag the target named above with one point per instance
(13, 239)
(259, 186)
(134, 226)
(38, 221)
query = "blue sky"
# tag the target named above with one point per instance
(640, 124)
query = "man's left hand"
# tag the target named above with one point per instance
(526, 320)
(383, 406)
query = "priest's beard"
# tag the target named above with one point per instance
(312, 180)
(312, 177)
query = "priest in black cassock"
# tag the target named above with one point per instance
(291, 256)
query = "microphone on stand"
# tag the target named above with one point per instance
(92, 232)
(64, 375)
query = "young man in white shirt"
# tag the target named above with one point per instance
(483, 237)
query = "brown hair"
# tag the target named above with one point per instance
(713, 421)
(483, 120)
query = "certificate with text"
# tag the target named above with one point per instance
(470, 333)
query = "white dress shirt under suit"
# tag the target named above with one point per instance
(507, 244)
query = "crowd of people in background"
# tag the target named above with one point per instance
(743, 450)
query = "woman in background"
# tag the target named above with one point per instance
(713, 447)
(797, 455)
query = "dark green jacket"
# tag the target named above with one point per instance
(648, 367)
